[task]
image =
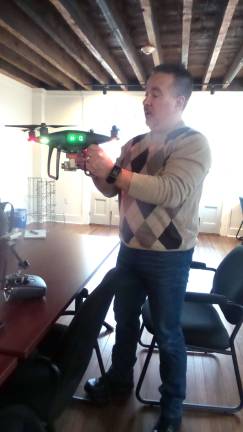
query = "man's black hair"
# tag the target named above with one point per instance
(183, 79)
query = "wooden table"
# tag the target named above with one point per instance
(7, 366)
(66, 261)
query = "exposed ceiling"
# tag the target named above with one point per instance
(92, 44)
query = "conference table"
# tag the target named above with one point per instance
(7, 366)
(66, 261)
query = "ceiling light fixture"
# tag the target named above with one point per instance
(104, 90)
(148, 49)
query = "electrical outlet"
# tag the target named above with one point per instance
(65, 201)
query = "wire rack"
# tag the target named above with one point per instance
(41, 200)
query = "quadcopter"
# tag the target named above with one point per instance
(70, 141)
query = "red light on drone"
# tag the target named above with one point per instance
(31, 137)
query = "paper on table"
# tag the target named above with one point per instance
(35, 233)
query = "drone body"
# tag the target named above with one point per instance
(72, 141)
(68, 141)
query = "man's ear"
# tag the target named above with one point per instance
(180, 103)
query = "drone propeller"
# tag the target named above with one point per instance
(35, 126)
(42, 128)
(27, 127)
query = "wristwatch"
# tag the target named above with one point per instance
(114, 173)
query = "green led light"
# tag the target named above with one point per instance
(73, 138)
(44, 140)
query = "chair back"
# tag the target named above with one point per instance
(77, 345)
(228, 281)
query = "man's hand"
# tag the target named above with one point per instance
(94, 160)
(97, 162)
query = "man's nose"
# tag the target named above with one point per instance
(147, 100)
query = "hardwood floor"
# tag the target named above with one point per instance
(210, 379)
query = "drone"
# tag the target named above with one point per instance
(70, 141)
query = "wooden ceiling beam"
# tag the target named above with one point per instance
(186, 30)
(221, 35)
(80, 23)
(21, 26)
(119, 31)
(234, 69)
(152, 28)
(52, 23)
(24, 65)
(18, 75)
(24, 51)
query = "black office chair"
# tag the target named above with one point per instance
(237, 235)
(19, 418)
(202, 326)
(47, 384)
(54, 337)
(58, 330)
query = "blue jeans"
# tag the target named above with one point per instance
(162, 276)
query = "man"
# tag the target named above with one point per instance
(159, 178)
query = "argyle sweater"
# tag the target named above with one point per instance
(160, 210)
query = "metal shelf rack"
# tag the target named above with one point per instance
(41, 200)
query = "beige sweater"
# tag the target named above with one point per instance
(160, 210)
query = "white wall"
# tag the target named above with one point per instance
(219, 117)
(16, 152)
(66, 108)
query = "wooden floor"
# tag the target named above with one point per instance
(210, 379)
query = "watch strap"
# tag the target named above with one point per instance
(113, 174)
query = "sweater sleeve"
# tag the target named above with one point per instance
(108, 190)
(184, 171)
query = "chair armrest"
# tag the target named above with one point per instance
(201, 266)
(206, 298)
(46, 361)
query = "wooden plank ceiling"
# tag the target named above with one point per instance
(96, 44)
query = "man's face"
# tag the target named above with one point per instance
(162, 107)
